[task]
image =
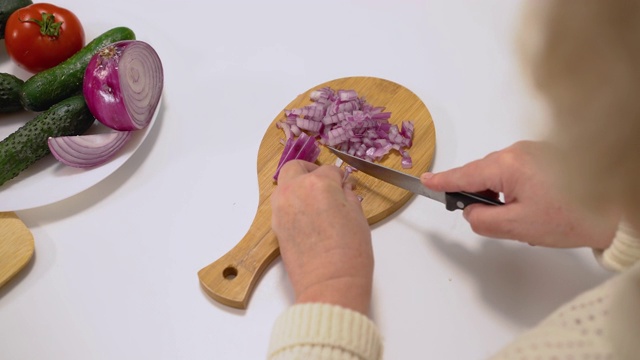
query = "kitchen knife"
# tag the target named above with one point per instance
(452, 200)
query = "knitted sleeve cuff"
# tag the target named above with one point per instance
(324, 328)
(623, 252)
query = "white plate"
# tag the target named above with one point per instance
(49, 181)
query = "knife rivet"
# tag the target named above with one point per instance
(460, 205)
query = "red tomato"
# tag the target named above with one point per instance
(41, 36)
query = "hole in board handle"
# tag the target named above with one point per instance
(230, 273)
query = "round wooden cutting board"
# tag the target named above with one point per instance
(16, 246)
(231, 279)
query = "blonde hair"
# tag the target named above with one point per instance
(584, 59)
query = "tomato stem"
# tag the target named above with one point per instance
(48, 25)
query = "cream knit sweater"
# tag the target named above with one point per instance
(603, 323)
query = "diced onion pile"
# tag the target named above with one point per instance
(345, 121)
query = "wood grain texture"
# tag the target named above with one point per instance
(231, 279)
(16, 246)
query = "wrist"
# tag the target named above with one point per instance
(350, 293)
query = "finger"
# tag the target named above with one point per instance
(294, 168)
(349, 179)
(476, 176)
(493, 221)
(348, 186)
(332, 172)
(351, 196)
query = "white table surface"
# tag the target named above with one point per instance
(115, 270)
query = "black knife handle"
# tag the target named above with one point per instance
(460, 200)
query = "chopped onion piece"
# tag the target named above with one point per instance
(86, 151)
(308, 124)
(286, 128)
(347, 95)
(406, 162)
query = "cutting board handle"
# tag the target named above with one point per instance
(230, 279)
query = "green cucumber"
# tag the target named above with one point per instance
(7, 7)
(10, 93)
(53, 85)
(28, 144)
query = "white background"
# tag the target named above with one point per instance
(115, 270)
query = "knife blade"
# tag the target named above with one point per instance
(451, 200)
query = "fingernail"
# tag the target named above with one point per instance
(426, 176)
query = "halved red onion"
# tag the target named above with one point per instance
(86, 151)
(123, 84)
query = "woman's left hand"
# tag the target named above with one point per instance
(324, 237)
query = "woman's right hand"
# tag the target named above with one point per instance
(535, 212)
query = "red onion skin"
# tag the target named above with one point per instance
(102, 80)
(103, 88)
